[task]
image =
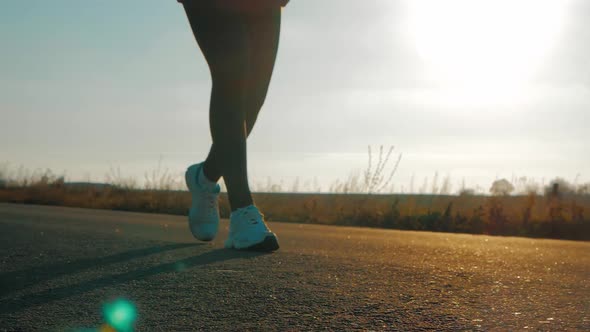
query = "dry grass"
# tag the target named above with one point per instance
(561, 214)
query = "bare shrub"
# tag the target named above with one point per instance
(161, 179)
(3, 175)
(467, 192)
(115, 178)
(352, 184)
(375, 179)
(295, 187)
(525, 185)
(435, 188)
(446, 186)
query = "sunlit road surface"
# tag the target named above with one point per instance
(59, 265)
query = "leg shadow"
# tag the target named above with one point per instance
(18, 280)
(50, 295)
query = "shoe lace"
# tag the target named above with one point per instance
(211, 199)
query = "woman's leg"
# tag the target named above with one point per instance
(263, 35)
(223, 39)
(263, 31)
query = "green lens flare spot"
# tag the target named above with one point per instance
(120, 314)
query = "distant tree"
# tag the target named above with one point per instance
(559, 186)
(501, 187)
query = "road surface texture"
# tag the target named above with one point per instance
(59, 265)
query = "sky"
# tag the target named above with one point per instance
(471, 90)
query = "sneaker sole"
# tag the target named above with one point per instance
(269, 243)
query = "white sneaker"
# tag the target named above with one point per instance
(203, 216)
(247, 230)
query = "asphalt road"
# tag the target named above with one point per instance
(59, 265)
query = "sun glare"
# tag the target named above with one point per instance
(492, 46)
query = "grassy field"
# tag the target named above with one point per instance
(551, 215)
(559, 210)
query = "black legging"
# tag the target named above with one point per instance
(240, 48)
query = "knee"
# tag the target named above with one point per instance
(256, 103)
(230, 86)
(257, 98)
(231, 79)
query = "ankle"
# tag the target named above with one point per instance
(205, 181)
(244, 205)
(208, 175)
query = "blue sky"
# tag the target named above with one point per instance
(90, 85)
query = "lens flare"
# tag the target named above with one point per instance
(120, 315)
